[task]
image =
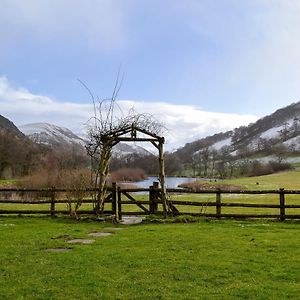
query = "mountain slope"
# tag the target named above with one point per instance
(18, 154)
(48, 134)
(55, 136)
(8, 126)
(122, 149)
(280, 128)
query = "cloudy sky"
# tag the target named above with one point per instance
(201, 66)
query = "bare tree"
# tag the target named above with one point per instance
(109, 126)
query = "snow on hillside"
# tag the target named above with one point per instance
(220, 144)
(274, 132)
(293, 143)
(45, 133)
(123, 149)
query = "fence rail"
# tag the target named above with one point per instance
(118, 199)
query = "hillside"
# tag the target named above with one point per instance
(55, 136)
(6, 126)
(282, 128)
(49, 134)
(18, 154)
(264, 147)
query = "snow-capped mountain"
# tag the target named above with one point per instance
(282, 128)
(123, 149)
(52, 135)
(49, 134)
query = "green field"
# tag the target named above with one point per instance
(204, 260)
(208, 259)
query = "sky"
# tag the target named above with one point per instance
(200, 66)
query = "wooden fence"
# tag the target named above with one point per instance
(147, 201)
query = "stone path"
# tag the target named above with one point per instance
(80, 241)
(98, 234)
(128, 220)
(132, 220)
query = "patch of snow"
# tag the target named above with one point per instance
(222, 143)
(274, 131)
(293, 142)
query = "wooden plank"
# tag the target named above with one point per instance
(218, 204)
(128, 139)
(52, 204)
(135, 202)
(257, 205)
(48, 201)
(119, 199)
(282, 203)
(193, 203)
(65, 212)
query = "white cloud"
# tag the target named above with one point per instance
(92, 24)
(185, 123)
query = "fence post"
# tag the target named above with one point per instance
(114, 199)
(282, 204)
(218, 203)
(119, 204)
(52, 205)
(153, 198)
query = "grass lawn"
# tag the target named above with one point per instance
(287, 180)
(204, 260)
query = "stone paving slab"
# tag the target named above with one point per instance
(80, 241)
(99, 234)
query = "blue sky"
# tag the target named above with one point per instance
(232, 59)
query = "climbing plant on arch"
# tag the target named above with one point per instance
(108, 129)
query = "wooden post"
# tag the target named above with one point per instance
(52, 205)
(218, 203)
(162, 177)
(114, 199)
(282, 204)
(153, 198)
(119, 204)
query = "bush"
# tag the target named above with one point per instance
(258, 168)
(58, 179)
(127, 174)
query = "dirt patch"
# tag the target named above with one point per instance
(80, 241)
(99, 234)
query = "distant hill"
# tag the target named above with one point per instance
(18, 154)
(49, 134)
(6, 126)
(281, 128)
(55, 136)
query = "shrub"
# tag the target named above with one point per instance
(127, 174)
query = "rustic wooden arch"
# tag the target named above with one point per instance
(130, 134)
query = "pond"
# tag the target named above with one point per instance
(171, 182)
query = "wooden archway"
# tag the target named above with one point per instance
(130, 134)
